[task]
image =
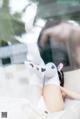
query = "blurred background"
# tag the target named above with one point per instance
(21, 23)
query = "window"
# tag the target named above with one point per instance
(6, 61)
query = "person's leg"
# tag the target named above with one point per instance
(52, 93)
(53, 98)
(39, 71)
(36, 75)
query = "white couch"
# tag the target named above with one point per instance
(16, 90)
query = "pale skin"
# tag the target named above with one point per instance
(54, 97)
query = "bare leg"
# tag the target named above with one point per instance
(53, 98)
(51, 92)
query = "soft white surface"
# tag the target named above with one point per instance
(17, 108)
(15, 88)
(72, 80)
